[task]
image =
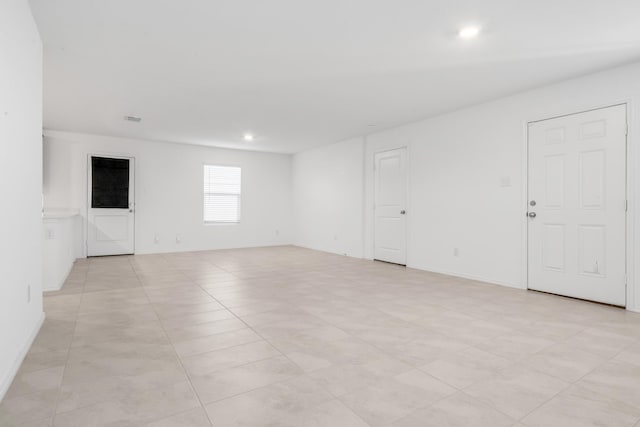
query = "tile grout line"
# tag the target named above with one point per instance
(75, 327)
(174, 350)
(575, 384)
(304, 373)
(338, 397)
(304, 298)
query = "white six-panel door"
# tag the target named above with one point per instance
(577, 205)
(111, 217)
(390, 206)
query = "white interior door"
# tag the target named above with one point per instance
(577, 205)
(110, 212)
(390, 206)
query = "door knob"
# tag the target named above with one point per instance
(532, 214)
(402, 212)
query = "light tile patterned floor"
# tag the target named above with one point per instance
(291, 337)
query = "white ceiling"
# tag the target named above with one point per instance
(302, 73)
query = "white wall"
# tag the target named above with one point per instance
(20, 185)
(328, 191)
(169, 191)
(457, 162)
(62, 232)
(455, 198)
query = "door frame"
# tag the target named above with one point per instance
(88, 192)
(406, 201)
(631, 153)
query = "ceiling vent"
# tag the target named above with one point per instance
(133, 119)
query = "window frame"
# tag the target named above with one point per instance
(204, 194)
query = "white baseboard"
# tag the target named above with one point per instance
(6, 381)
(61, 281)
(327, 250)
(430, 270)
(469, 277)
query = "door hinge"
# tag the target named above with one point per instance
(626, 129)
(626, 206)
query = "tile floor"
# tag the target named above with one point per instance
(292, 337)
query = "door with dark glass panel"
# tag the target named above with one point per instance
(111, 207)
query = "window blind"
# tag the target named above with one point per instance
(222, 190)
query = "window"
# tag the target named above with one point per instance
(109, 183)
(222, 193)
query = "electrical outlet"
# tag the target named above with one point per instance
(50, 234)
(335, 237)
(156, 238)
(456, 252)
(178, 238)
(277, 232)
(505, 181)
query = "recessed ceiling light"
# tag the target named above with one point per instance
(469, 32)
(133, 118)
(248, 137)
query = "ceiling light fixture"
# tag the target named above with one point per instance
(133, 119)
(469, 32)
(248, 137)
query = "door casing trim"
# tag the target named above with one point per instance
(88, 201)
(406, 201)
(629, 191)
